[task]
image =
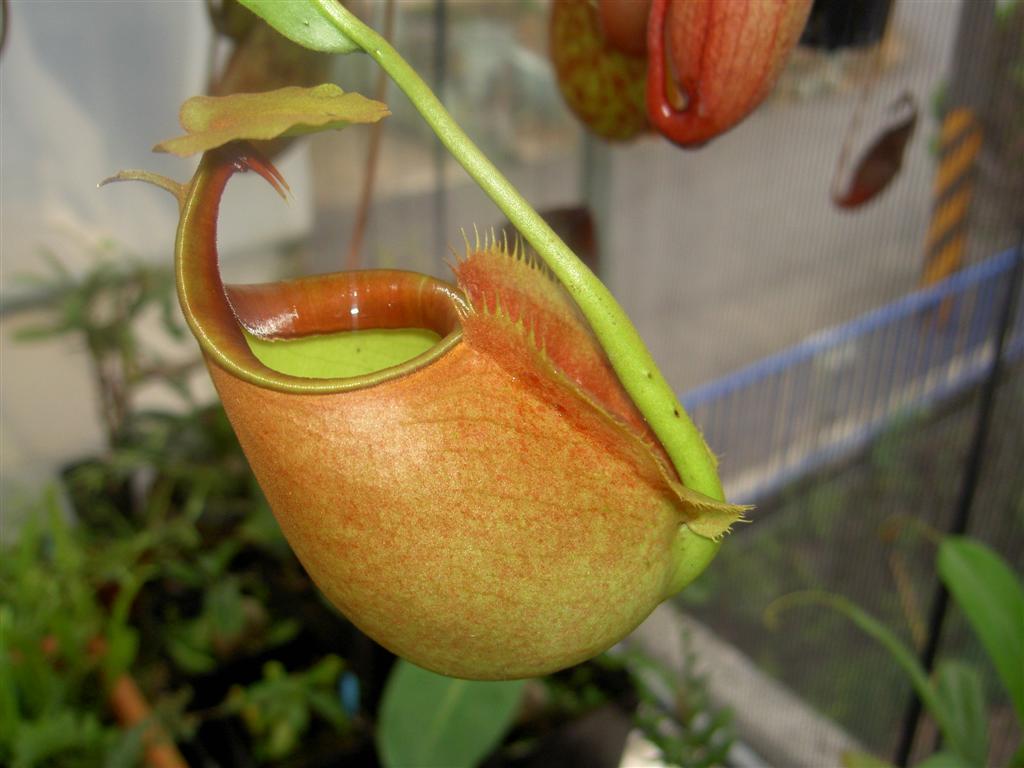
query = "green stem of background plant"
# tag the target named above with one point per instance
(625, 349)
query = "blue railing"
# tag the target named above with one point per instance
(790, 413)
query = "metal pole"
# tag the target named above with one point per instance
(968, 487)
(961, 139)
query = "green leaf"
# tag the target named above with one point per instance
(40, 332)
(959, 687)
(224, 608)
(337, 355)
(431, 720)
(10, 715)
(945, 760)
(212, 121)
(304, 23)
(187, 655)
(277, 709)
(57, 734)
(863, 760)
(991, 597)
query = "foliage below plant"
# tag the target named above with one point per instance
(59, 644)
(75, 607)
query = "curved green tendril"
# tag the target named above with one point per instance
(629, 356)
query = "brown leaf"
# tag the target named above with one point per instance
(212, 121)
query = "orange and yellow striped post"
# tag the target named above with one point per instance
(960, 145)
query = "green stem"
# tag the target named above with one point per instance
(625, 349)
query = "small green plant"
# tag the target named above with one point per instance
(991, 598)
(64, 635)
(101, 309)
(279, 709)
(80, 610)
(676, 714)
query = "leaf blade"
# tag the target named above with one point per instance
(992, 599)
(944, 760)
(302, 23)
(431, 720)
(959, 687)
